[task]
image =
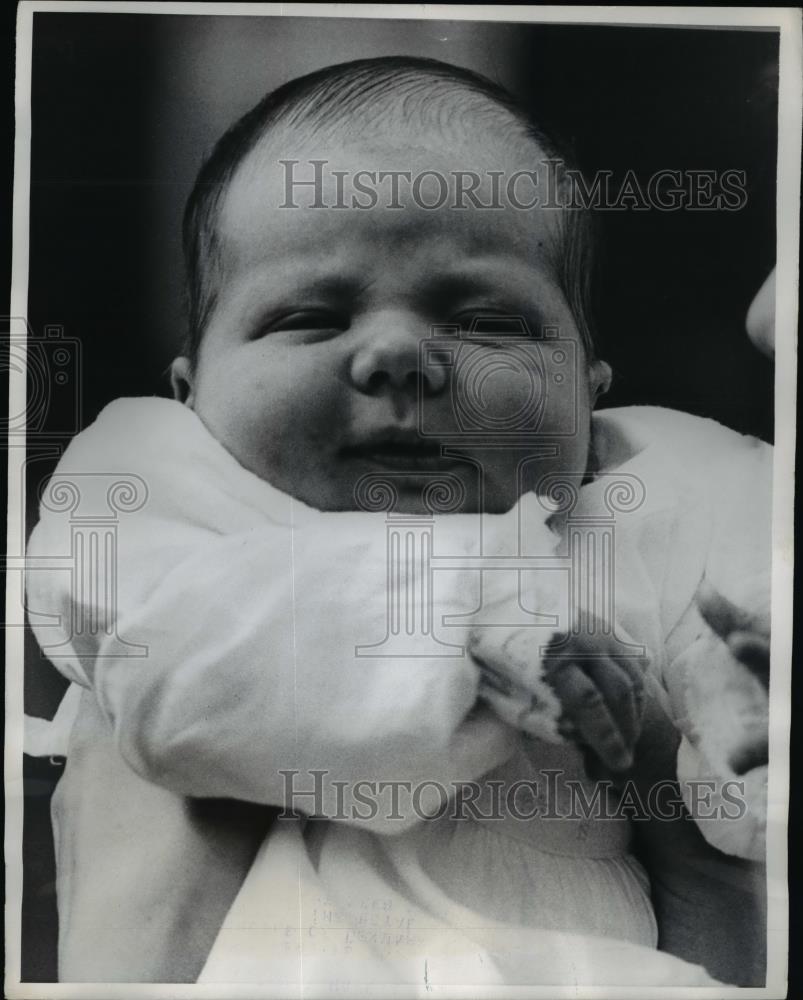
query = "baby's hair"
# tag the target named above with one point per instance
(418, 89)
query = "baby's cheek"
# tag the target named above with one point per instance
(567, 421)
(243, 421)
(566, 397)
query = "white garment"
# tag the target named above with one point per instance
(229, 600)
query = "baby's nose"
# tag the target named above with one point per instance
(389, 355)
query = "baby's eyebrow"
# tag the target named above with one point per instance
(503, 283)
(457, 286)
(500, 282)
(336, 285)
(298, 280)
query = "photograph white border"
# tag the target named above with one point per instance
(788, 22)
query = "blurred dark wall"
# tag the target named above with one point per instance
(673, 288)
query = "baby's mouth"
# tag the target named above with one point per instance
(405, 453)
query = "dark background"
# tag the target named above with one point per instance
(125, 107)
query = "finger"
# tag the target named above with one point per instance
(594, 767)
(597, 771)
(634, 666)
(753, 651)
(616, 687)
(723, 616)
(636, 670)
(586, 707)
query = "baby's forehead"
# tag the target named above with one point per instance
(391, 197)
(442, 168)
(454, 164)
(478, 137)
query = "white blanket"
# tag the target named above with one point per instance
(250, 606)
(236, 591)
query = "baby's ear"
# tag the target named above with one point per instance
(599, 379)
(181, 381)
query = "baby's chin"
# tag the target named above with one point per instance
(389, 494)
(377, 490)
(353, 487)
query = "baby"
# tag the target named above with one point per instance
(335, 227)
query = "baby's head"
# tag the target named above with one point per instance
(425, 290)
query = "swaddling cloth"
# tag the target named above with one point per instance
(264, 623)
(205, 567)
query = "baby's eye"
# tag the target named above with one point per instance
(306, 319)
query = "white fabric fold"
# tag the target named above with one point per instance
(258, 616)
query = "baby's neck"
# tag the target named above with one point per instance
(609, 448)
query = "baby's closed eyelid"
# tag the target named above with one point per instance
(302, 319)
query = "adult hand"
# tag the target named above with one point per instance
(710, 907)
(747, 635)
(760, 321)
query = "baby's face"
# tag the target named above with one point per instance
(316, 366)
